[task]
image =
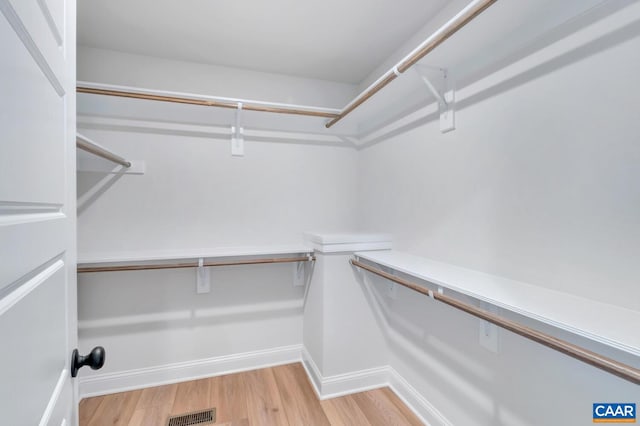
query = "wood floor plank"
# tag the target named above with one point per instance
(156, 403)
(115, 409)
(242, 422)
(281, 396)
(379, 410)
(344, 411)
(136, 418)
(154, 416)
(157, 396)
(88, 407)
(402, 407)
(105, 402)
(228, 394)
(263, 402)
(300, 403)
(191, 396)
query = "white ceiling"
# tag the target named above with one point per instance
(336, 40)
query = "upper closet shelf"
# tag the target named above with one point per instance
(105, 106)
(504, 46)
(610, 325)
(485, 48)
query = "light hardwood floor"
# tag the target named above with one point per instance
(279, 396)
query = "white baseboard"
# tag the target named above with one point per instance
(421, 407)
(343, 384)
(313, 372)
(359, 381)
(103, 384)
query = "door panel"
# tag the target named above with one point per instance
(43, 237)
(38, 325)
(33, 162)
(33, 327)
(53, 11)
(31, 25)
(56, 413)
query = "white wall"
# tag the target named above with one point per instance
(154, 318)
(341, 335)
(538, 183)
(195, 195)
(352, 339)
(111, 67)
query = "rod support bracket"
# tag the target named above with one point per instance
(237, 134)
(440, 84)
(203, 278)
(302, 271)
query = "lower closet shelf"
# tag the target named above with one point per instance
(607, 324)
(227, 256)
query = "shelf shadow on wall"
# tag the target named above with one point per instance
(217, 134)
(130, 302)
(190, 318)
(421, 333)
(92, 186)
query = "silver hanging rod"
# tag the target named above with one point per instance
(144, 267)
(210, 101)
(609, 365)
(86, 144)
(465, 16)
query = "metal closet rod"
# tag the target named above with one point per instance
(609, 365)
(248, 106)
(465, 16)
(87, 145)
(143, 267)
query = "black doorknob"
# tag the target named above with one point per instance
(95, 360)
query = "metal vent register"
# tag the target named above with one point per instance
(204, 417)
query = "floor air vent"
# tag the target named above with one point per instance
(204, 417)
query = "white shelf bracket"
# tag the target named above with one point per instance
(299, 274)
(237, 135)
(441, 85)
(302, 272)
(203, 278)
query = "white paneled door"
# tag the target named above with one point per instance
(37, 212)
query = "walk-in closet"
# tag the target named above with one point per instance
(319, 213)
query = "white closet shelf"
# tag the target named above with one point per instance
(144, 104)
(508, 41)
(159, 257)
(611, 325)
